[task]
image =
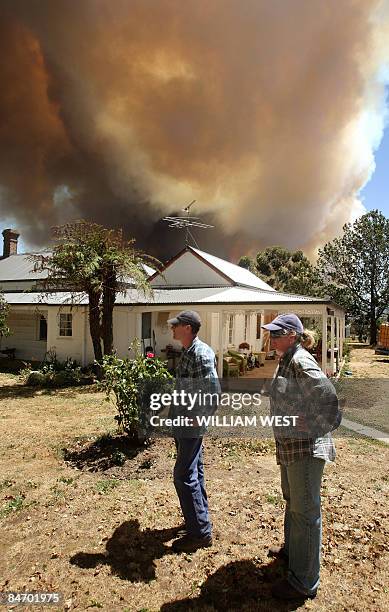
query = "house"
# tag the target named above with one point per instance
(233, 304)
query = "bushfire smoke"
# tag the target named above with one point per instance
(266, 113)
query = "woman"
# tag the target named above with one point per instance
(300, 388)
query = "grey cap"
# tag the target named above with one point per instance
(187, 317)
(288, 322)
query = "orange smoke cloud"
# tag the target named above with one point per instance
(120, 112)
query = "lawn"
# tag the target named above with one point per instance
(85, 514)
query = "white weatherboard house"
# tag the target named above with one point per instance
(232, 302)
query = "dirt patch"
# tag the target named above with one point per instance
(364, 363)
(367, 390)
(100, 532)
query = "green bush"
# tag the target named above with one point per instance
(132, 381)
(35, 378)
(54, 373)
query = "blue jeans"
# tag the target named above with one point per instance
(190, 486)
(300, 483)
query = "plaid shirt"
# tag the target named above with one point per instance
(196, 373)
(197, 361)
(300, 388)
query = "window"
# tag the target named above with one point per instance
(65, 324)
(230, 329)
(42, 328)
(259, 319)
(146, 325)
(246, 326)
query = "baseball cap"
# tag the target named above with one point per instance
(289, 322)
(187, 317)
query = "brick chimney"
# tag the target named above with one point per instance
(10, 244)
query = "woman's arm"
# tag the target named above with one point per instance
(320, 406)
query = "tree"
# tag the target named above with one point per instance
(355, 268)
(288, 271)
(99, 263)
(4, 312)
(247, 263)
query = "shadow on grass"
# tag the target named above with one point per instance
(73, 391)
(130, 552)
(13, 366)
(16, 391)
(104, 453)
(20, 391)
(235, 585)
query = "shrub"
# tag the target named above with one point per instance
(132, 381)
(35, 378)
(56, 374)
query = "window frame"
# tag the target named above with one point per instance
(39, 335)
(69, 319)
(246, 326)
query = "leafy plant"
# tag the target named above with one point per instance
(105, 486)
(274, 498)
(132, 381)
(13, 505)
(4, 312)
(67, 481)
(54, 373)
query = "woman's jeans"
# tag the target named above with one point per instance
(190, 486)
(300, 483)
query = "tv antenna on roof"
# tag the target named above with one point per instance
(186, 222)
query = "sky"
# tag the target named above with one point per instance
(376, 193)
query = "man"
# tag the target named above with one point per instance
(196, 372)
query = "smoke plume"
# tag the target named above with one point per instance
(266, 113)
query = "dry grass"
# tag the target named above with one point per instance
(89, 516)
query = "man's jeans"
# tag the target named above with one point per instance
(190, 486)
(300, 483)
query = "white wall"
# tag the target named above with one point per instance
(80, 346)
(124, 332)
(72, 346)
(25, 335)
(189, 271)
(121, 331)
(126, 327)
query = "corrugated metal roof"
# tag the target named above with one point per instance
(33, 298)
(19, 267)
(220, 295)
(215, 295)
(236, 273)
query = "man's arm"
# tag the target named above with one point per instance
(207, 380)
